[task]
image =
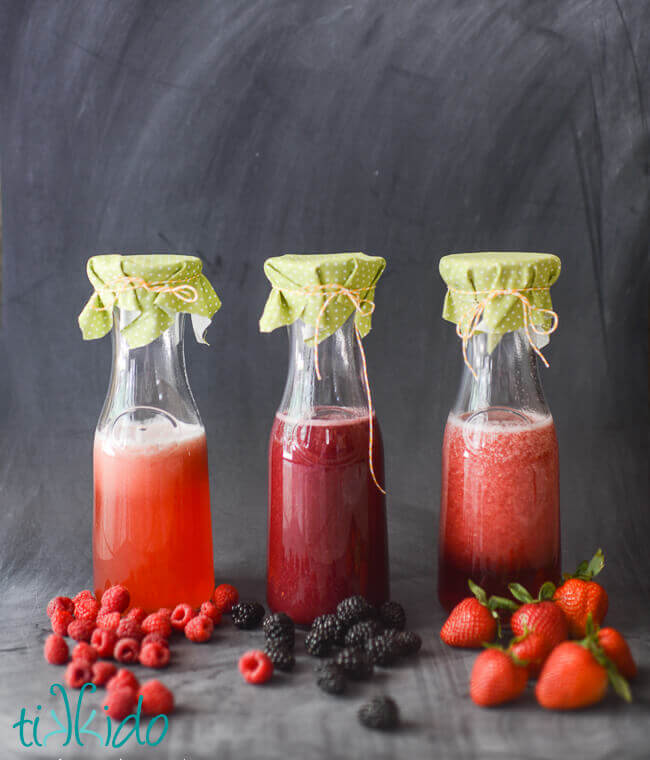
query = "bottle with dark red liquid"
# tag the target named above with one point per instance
(327, 515)
(500, 500)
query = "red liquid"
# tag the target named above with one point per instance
(327, 519)
(500, 510)
(152, 527)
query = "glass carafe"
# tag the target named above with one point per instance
(152, 526)
(327, 534)
(500, 512)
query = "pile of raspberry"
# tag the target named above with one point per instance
(109, 629)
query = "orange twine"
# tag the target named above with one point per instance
(335, 291)
(182, 291)
(469, 322)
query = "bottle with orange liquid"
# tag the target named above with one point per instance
(152, 527)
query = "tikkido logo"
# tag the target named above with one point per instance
(30, 732)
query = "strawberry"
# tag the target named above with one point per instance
(540, 617)
(497, 677)
(474, 621)
(576, 674)
(616, 649)
(580, 596)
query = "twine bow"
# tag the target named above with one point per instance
(469, 322)
(362, 306)
(181, 290)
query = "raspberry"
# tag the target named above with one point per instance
(157, 623)
(247, 615)
(56, 650)
(84, 651)
(127, 650)
(154, 655)
(225, 597)
(78, 673)
(255, 666)
(115, 599)
(123, 678)
(181, 616)
(209, 609)
(108, 621)
(81, 630)
(157, 699)
(129, 629)
(104, 642)
(199, 629)
(120, 702)
(154, 638)
(103, 672)
(136, 613)
(60, 620)
(86, 609)
(85, 594)
(60, 603)
(164, 612)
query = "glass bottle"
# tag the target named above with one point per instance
(500, 510)
(327, 536)
(152, 526)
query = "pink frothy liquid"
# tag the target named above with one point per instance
(500, 512)
(327, 519)
(152, 526)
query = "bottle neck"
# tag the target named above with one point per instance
(341, 387)
(507, 376)
(148, 387)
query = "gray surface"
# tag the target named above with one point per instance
(238, 130)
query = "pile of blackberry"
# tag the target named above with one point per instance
(355, 639)
(280, 633)
(247, 615)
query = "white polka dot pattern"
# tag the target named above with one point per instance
(478, 273)
(156, 308)
(291, 274)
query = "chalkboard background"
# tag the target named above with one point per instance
(238, 130)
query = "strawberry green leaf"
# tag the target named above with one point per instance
(501, 603)
(520, 593)
(478, 592)
(546, 591)
(621, 686)
(596, 564)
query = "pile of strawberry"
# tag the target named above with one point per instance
(109, 629)
(570, 674)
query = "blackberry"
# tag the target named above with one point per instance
(359, 633)
(247, 614)
(408, 643)
(381, 713)
(279, 628)
(392, 615)
(316, 644)
(330, 627)
(356, 663)
(383, 649)
(281, 657)
(331, 679)
(354, 609)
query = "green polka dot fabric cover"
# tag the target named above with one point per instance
(175, 284)
(293, 274)
(476, 274)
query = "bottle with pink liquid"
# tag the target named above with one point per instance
(327, 517)
(500, 506)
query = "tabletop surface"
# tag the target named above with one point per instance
(220, 716)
